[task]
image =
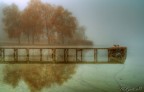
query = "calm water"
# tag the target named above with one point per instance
(75, 78)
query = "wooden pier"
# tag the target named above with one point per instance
(60, 55)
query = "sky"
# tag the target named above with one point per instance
(107, 22)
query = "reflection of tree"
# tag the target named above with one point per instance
(38, 76)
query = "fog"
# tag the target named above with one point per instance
(107, 22)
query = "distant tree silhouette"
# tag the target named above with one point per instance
(64, 23)
(12, 21)
(38, 19)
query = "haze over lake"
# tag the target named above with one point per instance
(107, 22)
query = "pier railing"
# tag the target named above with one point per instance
(64, 55)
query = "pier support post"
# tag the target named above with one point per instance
(77, 54)
(109, 55)
(40, 54)
(15, 55)
(95, 55)
(81, 50)
(53, 55)
(1, 57)
(3, 54)
(65, 55)
(27, 58)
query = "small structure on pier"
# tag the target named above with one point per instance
(60, 54)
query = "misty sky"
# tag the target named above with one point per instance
(107, 22)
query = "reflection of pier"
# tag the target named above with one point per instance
(56, 54)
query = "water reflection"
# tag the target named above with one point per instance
(38, 76)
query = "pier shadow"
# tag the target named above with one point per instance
(38, 76)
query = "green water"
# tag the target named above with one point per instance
(87, 78)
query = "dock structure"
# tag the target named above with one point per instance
(61, 55)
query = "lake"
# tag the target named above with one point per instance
(75, 78)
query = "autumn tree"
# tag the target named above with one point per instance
(32, 20)
(48, 12)
(12, 23)
(64, 23)
(39, 19)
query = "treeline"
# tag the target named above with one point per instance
(42, 21)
